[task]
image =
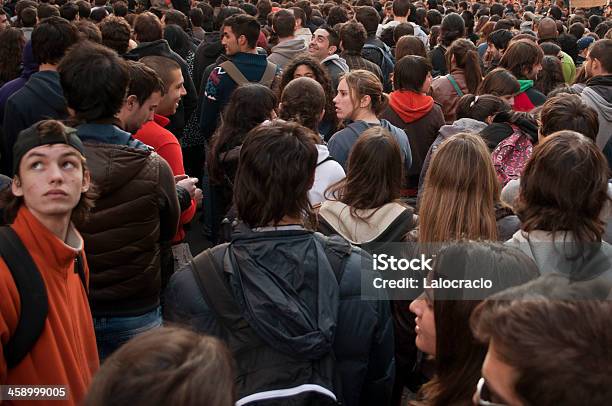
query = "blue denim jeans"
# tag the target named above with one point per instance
(113, 332)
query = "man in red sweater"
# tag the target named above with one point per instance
(165, 143)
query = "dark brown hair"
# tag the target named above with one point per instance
(352, 36)
(551, 75)
(531, 328)
(466, 59)
(12, 42)
(283, 23)
(173, 366)
(480, 107)
(459, 356)
(116, 33)
(374, 172)
(409, 45)
(499, 82)
(410, 73)
(303, 101)
(147, 27)
(520, 57)
(564, 163)
(11, 203)
(568, 112)
(321, 76)
(144, 81)
(275, 172)
(602, 51)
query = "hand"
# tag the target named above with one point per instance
(198, 197)
(188, 184)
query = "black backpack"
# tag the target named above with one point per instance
(32, 295)
(264, 375)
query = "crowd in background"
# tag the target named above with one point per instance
(298, 139)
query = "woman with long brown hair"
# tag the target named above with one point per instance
(461, 195)
(464, 77)
(443, 315)
(365, 207)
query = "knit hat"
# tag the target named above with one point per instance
(585, 42)
(55, 133)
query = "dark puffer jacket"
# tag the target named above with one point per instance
(287, 264)
(137, 209)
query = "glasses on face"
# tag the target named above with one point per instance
(483, 394)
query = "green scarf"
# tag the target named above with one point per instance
(525, 84)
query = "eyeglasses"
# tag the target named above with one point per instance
(483, 395)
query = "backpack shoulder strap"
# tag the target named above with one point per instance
(32, 295)
(234, 72)
(209, 273)
(338, 251)
(453, 82)
(269, 74)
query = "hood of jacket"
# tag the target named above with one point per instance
(286, 288)
(211, 46)
(113, 166)
(290, 48)
(562, 254)
(462, 125)
(46, 86)
(601, 95)
(410, 106)
(353, 228)
(323, 152)
(336, 60)
(525, 84)
(157, 48)
(30, 66)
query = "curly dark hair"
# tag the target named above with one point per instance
(12, 42)
(321, 76)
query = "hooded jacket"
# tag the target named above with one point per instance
(561, 254)
(30, 66)
(342, 142)
(41, 98)
(207, 53)
(289, 296)
(65, 353)
(444, 93)
(136, 210)
(328, 172)
(529, 98)
(189, 102)
(421, 120)
(287, 50)
(463, 125)
(598, 95)
(336, 67)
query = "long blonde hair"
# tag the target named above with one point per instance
(460, 192)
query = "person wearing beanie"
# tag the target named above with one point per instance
(50, 188)
(583, 49)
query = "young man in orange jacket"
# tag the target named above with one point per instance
(49, 189)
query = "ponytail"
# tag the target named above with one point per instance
(466, 59)
(480, 107)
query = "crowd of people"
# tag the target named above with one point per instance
(301, 138)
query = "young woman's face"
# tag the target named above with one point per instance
(343, 102)
(508, 99)
(425, 329)
(304, 71)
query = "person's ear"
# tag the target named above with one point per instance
(242, 41)
(333, 49)
(86, 181)
(16, 187)
(131, 102)
(365, 101)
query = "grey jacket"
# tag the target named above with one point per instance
(286, 51)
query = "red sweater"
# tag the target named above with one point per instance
(167, 146)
